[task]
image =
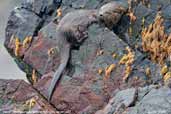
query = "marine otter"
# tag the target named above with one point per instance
(72, 30)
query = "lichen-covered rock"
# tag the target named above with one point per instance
(99, 66)
(17, 96)
(82, 89)
(37, 55)
(153, 75)
(130, 32)
(21, 24)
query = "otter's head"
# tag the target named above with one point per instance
(110, 13)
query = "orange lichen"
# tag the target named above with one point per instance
(155, 41)
(99, 52)
(128, 70)
(164, 70)
(114, 55)
(167, 76)
(31, 103)
(34, 76)
(51, 52)
(59, 12)
(109, 69)
(100, 71)
(27, 41)
(127, 60)
(148, 71)
(17, 47)
(124, 59)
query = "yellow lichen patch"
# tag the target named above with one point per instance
(114, 55)
(128, 70)
(155, 41)
(59, 12)
(99, 52)
(109, 69)
(167, 76)
(31, 103)
(27, 41)
(164, 70)
(124, 59)
(100, 71)
(148, 71)
(34, 76)
(51, 52)
(17, 46)
(127, 60)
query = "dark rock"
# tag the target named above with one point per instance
(41, 7)
(71, 5)
(21, 23)
(159, 4)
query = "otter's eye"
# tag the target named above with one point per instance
(101, 15)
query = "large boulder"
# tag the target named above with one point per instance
(97, 68)
(82, 89)
(21, 23)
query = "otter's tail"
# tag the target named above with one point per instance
(64, 60)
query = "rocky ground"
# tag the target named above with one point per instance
(111, 72)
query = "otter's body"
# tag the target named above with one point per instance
(72, 30)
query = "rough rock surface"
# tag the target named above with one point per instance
(21, 23)
(17, 96)
(122, 99)
(85, 87)
(157, 101)
(41, 7)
